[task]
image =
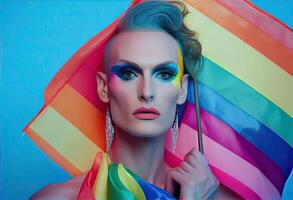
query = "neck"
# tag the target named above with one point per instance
(142, 155)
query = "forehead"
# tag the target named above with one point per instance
(145, 48)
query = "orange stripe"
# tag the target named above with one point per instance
(269, 47)
(82, 114)
(55, 155)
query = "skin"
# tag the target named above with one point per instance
(139, 144)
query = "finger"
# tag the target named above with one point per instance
(198, 162)
(196, 159)
(190, 156)
(184, 172)
(172, 182)
(194, 162)
(196, 154)
(190, 159)
(187, 167)
(199, 156)
(191, 152)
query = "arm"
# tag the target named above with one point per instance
(68, 190)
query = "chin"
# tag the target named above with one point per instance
(146, 131)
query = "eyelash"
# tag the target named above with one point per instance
(124, 76)
(161, 74)
(128, 74)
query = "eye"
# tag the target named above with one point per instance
(165, 75)
(127, 74)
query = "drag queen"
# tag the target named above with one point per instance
(148, 62)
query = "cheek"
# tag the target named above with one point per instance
(122, 94)
(167, 102)
(113, 84)
(167, 97)
(118, 89)
(120, 100)
(169, 90)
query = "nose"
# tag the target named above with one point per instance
(146, 90)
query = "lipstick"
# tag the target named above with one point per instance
(146, 113)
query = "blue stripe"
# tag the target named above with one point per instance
(248, 127)
(151, 191)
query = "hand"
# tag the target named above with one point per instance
(194, 177)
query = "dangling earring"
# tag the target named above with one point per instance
(174, 131)
(109, 131)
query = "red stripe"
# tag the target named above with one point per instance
(171, 159)
(234, 185)
(267, 14)
(88, 88)
(225, 179)
(84, 54)
(85, 191)
(233, 141)
(265, 22)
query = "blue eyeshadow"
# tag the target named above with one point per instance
(125, 71)
(164, 72)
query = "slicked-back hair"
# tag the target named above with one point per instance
(166, 16)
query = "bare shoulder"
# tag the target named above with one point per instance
(67, 190)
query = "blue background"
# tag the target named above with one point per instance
(36, 39)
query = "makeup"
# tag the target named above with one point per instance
(146, 113)
(125, 72)
(166, 72)
(177, 79)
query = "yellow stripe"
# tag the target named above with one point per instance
(81, 113)
(130, 183)
(101, 183)
(65, 138)
(242, 60)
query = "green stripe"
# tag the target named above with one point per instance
(247, 99)
(116, 189)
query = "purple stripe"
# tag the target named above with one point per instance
(230, 139)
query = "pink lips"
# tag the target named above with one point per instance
(146, 113)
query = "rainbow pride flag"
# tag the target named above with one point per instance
(244, 92)
(106, 181)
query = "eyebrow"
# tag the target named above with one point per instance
(136, 66)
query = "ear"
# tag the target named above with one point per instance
(183, 91)
(102, 87)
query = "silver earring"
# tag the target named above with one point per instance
(109, 131)
(174, 131)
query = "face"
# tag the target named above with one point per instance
(144, 73)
